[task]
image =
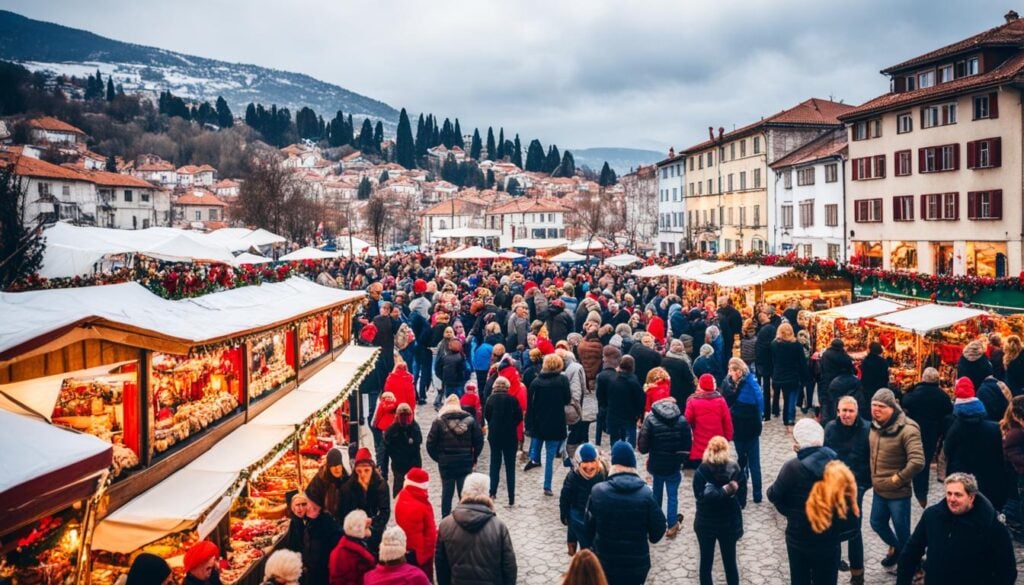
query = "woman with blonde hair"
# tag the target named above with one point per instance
(658, 386)
(789, 371)
(585, 569)
(720, 490)
(832, 512)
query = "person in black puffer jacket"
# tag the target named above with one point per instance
(974, 364)
(622, 518)
(720, 490)
(763, 361)
(975, 445)
(666, 435)
(789, 372)
(453, 369)
(929, 406)
(744, 396)
(473, 545)
(677, 364)
(848, 437)
(991, 394)
(874, 371)
(833, 361)
(547, 397)
(321, 536)
(844, 384)
(647, 358)
(503, 414)
(559, 323)
(402, 442)
(454, 441)
(611, 357)
(588, 470)
(625, 403)
(367, 491)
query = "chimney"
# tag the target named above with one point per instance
(1011, 16)
(671, 151)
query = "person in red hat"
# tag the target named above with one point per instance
(200, 564)
(415, 514)
(708, 415)
(545, 346)
(367, 491)
(382, 419)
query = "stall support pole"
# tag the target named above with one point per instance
(297, 446)
(82, 572)
(354, 415)
(144, 409)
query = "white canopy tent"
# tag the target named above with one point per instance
(187, 248)
(863, 309)
(567, 257)
(623, 260)
(249, 258)
(652, 271)
(358, 244)
(743, 275)
(694, 268)
(511, 255)
(465, 232)
(471, 253)
(583, 246)
(539, 243)
(308, 253)
(926, 318)
(261, 237)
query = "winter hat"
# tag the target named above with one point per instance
(453, 400)
(615, 341)
(545, 346)
(587, 452)
(392, 545)
(335, 457)
(148, 569)
(964, 389)
(315, 492)
(706, 382)
(417, 477)
(477, 485)
(419, 286)
(200, 552)
(886, 397)
(622, 454)
(363, 456)
(808, 433)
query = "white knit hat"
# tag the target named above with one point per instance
(808, 433)
(477, 485)
(392, 544)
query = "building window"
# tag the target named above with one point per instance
(728, 182)
(787, 179)
(832, 214)
(985, 154)
(44, 189)
(973, 66)
(711, 159)
(700, 187)
(869, 167)
(732, 151)
(145, 223)
(904, 123)
(757, 178)
(833, 251)
(867, 129)
(743, 147)
(787, 217)
(199, 216)
(807, 213)
(214, 215)
(664, 173)
(65, 190)
(743, 180)
(945, 73)
(710, 187)
(757, 145)
(985, 106)
(903, 164)
(867, 210)
(730, 217)
(911, 82)
(144, 197)
(903, 208)
(128, 195)
(807, 249)
(937, 159)
(691, 164)
(700, 162)
(926, 79)
(941, 115)
(985, 204)
(692, 192)
(940, 207)
(805, 176)
(757, 216)
(831, 172)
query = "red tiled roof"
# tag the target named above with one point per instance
(193, 169)
(27, 166)
(155, 167)
(527, 205)
(199, 197)
(1010, 34)
(108, 179)
(225, 184)
(826, 145)
(1006, 72)
(456, 206)
(813, 112)
(52, 124)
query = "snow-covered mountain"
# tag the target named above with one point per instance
(622, 160)
(44, 46)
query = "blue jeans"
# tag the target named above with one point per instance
(670, 481)
(576, 531)
(791, 395)
(619, 430)
(551, 449)
(898, 510)
(749, 454)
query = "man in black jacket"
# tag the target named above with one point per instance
(666, 435)
(559, 323)
(677, 364)
(833, 361)
(730, 323)
(928, 405)
(454, 441)
(503, 415)
(321, 536)
(848, 437)
(611, 358)
(964, 539)
(647, 358)
(763, 361)
(625, 403)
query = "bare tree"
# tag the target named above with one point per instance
(262, 198)
(21, 241)
(377, 216)
(591, 217)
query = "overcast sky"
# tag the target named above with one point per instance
(578, 73)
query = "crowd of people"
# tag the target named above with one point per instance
(549, 364)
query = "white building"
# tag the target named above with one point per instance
(452, 213)
(49, 130)
(54, 193)
(126, 202)
(198, 206)
(671, 238)
(527, 218)
(197, 176)
(810, 191)
(640, 202)
(154, 169)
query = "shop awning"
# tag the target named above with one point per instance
(511, 255)
(261, 237)
(128, 313)
(308, 253)
(567, 257)
(583, 246)
(471, 253)
(652, 271)
(179, 501)
(623, 260)
(863, 309)
(464, 233)
(45, 468)
(694, 268)
(743, 275)
(249, 258)
(926, 318)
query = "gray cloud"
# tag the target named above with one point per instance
(578, 73)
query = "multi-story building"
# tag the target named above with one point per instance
(934, 182)
(640, 206)
(49, 130)
(809, 188)
(198, 208)
(527, 218)
(671, 232)
(53, 192)
(126, 202)
(730, 202)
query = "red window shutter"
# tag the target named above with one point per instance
(897, 211)
(972, 205)
(956, 205)
(956, 156)
(972, 157)
(879, 171)
(995, 155)
(993, 105)
(996, 205)
(920, 160)
(924, 207)
(855, 169)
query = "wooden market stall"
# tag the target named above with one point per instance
(749, 284)
(847, 322)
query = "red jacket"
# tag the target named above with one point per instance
(708, 415)
(385, 414)
(470, 402)
(663, 389)
(415, 514)
(401, 574)
(349, 562)
(517, 390)
(400, 383)
(656, 327)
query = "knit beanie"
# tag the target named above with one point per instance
(392, 544)
(335, 457)
(808, 433)
(964, 389)
(545, 346)
(148, 569)
(417, 477)
(886, 397)
(199, 553)
(363, 456)
(587, 452)
(315, 492)
(622, 454)
(706, 382)
(419, 286)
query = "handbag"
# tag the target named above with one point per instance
(572, 412)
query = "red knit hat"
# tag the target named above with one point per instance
(529, 284)
(419, 286)
(545, 346)
(200, 552)
(417, 477)
(964, 388)
(363, 456)
(706, 382)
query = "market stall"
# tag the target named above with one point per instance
(567, 257)
(652, 271)
(847, 323)
(470, 253)
(748, 284)
(623, 260)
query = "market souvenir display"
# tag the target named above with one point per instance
(105, 406)
(314, 339)
(271, 362)
(948, 344)
(107, 567)
(47, 553)
(341, 326)
(192, 392)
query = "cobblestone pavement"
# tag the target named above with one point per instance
(539, 537)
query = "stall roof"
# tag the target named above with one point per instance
(863, 309)
(695, 268)
(249, 258)
(46, 468)
(471, 253)
(743, 275)
(539, 243)
(39, 321)
(926, 318)
(308, 253)
(567, 257)
(583, 246)
(180, 500)
(622, 260)
(511, 255)
(652, 271)
(464, 233)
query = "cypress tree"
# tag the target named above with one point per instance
(458, 135)
(535, 157)
(224, 117)
(475, 147)
(405, 148)
(552, 160)
(489, 183)
(607, 177)
(567, 168)
(378, 135)
(517, 153)
(111, 165)
(421, 137)
(491, 148)
(435, 134)
(250, 113)
(110, 88)
(501, 145)
(383, 178)
(366, 137)
(365, 189)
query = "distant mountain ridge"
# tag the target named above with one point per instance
(620, 159)
(44, 46)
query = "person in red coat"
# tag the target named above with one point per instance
(415, 514)
(656, 326)
(383, 418)
(350, 559)
(393, 568)
(708, 415)
(470, 402)
(657, 387)
(400, 383)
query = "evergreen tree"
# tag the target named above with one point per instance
(489, 181)
(405, 148)
(111, 165)
(224, 117)
(306, 124)
(378, 135)
(365, 189)
(321, 127)
(251, 120)
(607, 177)
(567, 168)
(422, 137)
(110, 88)
(501, 145)
(383, 178)
(491, 147)
(450, 171)
(552, 160)
(458, 136)
(435, 134)
(535, 157)
(513, 187)
(475, 147)
(517, 153)
(351, 130)
(365, 140)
